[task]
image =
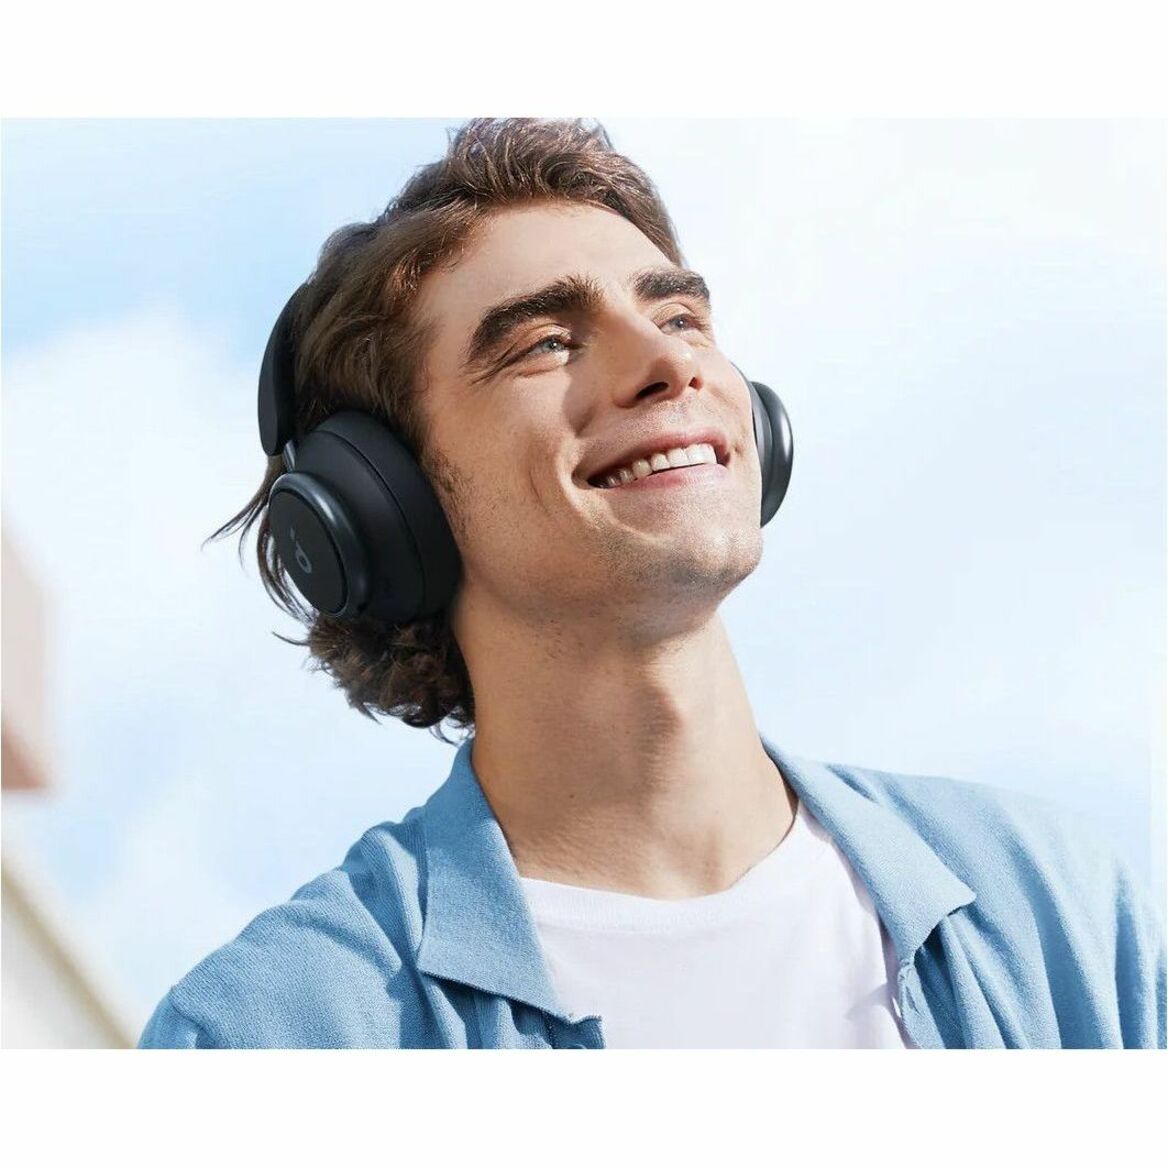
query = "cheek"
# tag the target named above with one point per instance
(486, 498)
(500, 483)
(457, 481)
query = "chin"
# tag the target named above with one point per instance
(715, 575)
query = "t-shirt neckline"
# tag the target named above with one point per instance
(778, 873)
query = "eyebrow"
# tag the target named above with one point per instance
(573, 293)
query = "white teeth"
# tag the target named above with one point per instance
(700, 452)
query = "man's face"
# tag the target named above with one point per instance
(525, 406)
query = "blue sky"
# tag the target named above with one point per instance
(964, 318)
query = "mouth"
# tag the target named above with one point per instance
(687, 472)
(704, 474)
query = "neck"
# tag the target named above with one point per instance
(634, 769)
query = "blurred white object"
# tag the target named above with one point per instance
(27, 755)
(50, 998)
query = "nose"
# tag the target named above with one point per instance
(650, 363)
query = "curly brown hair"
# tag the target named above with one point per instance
(359, 348)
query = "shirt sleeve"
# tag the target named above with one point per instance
(170, 1029)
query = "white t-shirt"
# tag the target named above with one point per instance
(793, 954)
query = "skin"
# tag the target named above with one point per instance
(614, 739)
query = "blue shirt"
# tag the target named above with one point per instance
(1014, 923)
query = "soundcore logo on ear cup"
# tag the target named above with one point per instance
(301, 556)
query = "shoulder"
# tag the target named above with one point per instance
(1027, 858)
(1050, 891)
(975, 826)
(324, 968)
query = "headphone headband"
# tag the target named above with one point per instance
(277, 400)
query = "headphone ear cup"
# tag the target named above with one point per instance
(378, 541)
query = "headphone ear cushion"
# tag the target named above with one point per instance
(776, 449)
(430, 540)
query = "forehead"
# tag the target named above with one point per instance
(522, 249)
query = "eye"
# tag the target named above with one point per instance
(538, 350)
(554, 339)
(694, 321)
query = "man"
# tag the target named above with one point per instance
(618, 856)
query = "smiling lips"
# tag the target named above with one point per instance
(701, 454)
(677, 476)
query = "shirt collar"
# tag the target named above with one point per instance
(911, 887)
(478, 930)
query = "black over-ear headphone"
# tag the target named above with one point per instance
(356, 522)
